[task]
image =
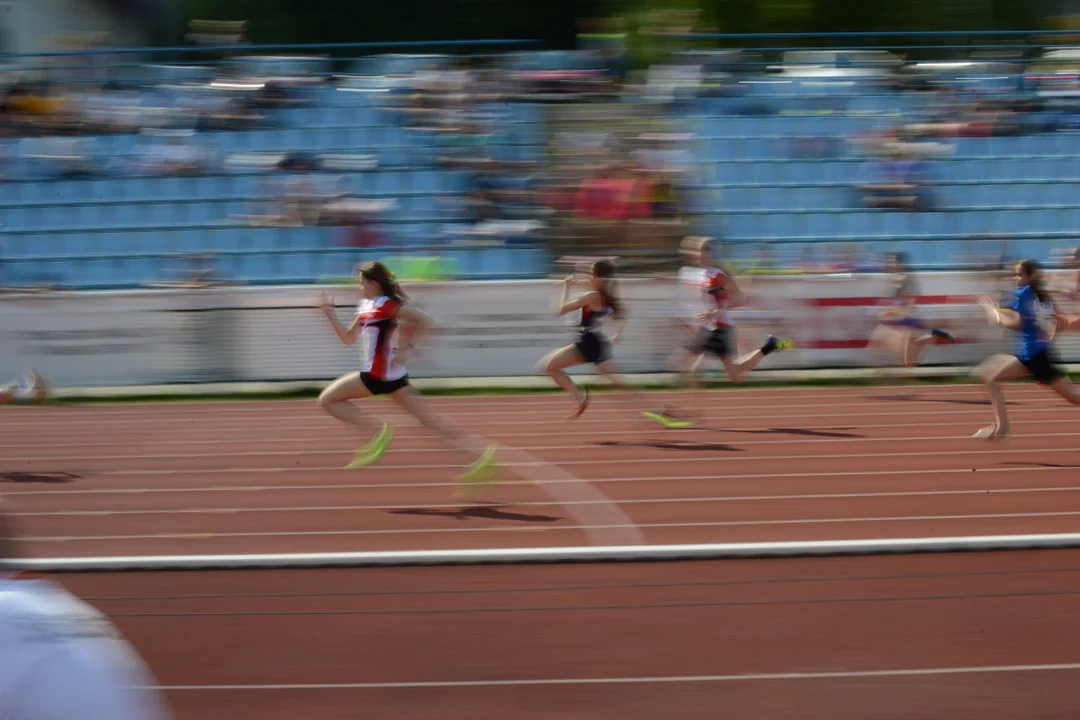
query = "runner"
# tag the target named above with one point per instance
(381, 310)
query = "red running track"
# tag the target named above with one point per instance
(993, 636)
(769, 465)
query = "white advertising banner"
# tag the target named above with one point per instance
(483, 329)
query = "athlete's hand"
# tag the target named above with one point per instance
(569, 280)
(401, 357)
(325, 303)
(990, 307)
(705, 316)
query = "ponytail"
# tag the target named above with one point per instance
(379, 273)
(606, 269)
(1033, 270)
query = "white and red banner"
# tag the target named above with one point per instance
(485, 329)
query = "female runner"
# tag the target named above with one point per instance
(711, 324)
(31, 388)
(1032, 313)
(381, 309)
(901, 331)
(598, 303)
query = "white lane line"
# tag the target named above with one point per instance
(553, 397)
(579, 504)
(445, 484)
(722, 457)
(556, 527)
(796, 434)
(643, 680)
(674, 444)
(261, 420)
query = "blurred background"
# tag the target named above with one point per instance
(157, 144)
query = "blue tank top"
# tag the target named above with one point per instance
(1036, 317)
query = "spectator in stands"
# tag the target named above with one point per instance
(300, 194)
(898, 182)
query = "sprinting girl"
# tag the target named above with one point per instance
(709, 319)
(1032, 313)
(901, 331)
(31, 388)
(381, 311)
(592, 346)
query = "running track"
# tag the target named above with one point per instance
(990, 635)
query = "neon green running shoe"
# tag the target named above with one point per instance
(481, 477)
(374, 450)
(668, 421)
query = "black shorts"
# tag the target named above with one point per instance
(719, 342)
(1042, 367)
(593, 347)
(383, 387)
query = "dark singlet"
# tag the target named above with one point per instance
(590, 319)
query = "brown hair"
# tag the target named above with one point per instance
(606, 269)
(1032, 268)
(379, 273)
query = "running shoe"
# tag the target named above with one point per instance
(667, 420)
(374, 450)
(942, 337)
(991, 432)
(481, 477)
(775, 344)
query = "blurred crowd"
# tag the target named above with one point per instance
(612, 176)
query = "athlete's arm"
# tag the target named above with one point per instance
(618, 325)
(589, 299)
(346, 334)
(419, 322)
(1006, 317)
(735, 293)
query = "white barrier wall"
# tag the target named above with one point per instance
(484, 329)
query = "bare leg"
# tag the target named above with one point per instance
(1065, 388)
(555, 364)
(737, 370)
(335, 400)
(413, 403)
(915, 348)
(993, 372)
(610, 370)
(688, 376)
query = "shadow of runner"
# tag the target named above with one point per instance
(478, 512)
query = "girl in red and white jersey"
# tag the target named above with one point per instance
(379, 316)
(708, 317)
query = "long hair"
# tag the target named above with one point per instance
(378, 273)
(1033, 270)
(606, 269)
